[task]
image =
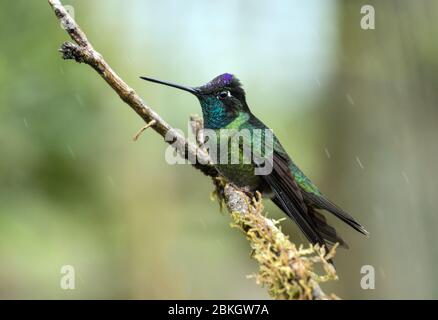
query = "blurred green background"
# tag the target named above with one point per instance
(357, 110)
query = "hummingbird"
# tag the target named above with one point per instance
(224, 106)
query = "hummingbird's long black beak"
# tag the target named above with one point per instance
(188, 89)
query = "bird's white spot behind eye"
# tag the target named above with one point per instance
(224, 94)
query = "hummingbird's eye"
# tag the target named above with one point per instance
(223, 95)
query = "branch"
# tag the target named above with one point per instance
(286, 271)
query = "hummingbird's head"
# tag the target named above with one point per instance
(222, 99)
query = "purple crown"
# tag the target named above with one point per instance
(226, 79)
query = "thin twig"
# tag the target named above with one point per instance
(142, 129)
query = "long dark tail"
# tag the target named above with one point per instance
(320, 202)
(322, 233)
(327, 232)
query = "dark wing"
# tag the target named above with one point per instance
(287, 193)
(288, 197)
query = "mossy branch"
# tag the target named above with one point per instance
(286, 271)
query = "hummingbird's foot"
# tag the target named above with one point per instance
(218, 192)
(149, 124)
(247, 191)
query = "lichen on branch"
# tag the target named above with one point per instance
(286, 271)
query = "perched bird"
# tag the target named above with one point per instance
(224, 106)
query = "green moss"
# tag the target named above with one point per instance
(287, 272)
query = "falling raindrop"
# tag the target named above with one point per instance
(405, 176)
(72, 153)
(359, 162)
(79, 99)
(318, 82)
(111, 181)
(327, 153)
(350, 99)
